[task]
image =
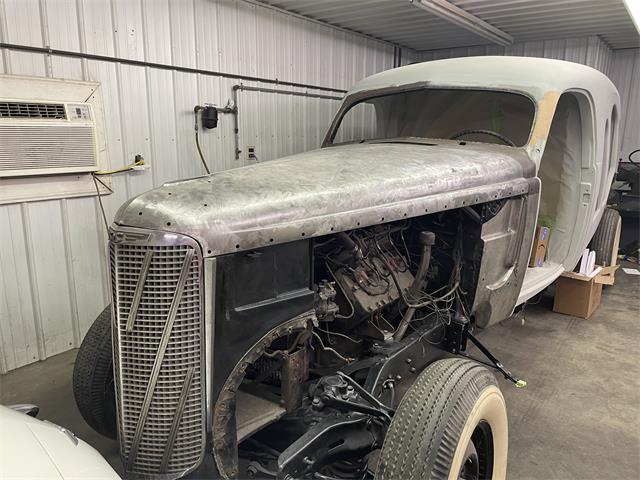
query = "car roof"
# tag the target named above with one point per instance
(532, 76)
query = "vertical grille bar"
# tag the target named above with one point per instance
(163, 347)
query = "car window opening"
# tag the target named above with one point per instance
(560, 175)
(466, 115)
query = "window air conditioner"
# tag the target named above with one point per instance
(46, 138)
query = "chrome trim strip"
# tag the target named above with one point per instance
(137, 296)
(182, 401)
(164, 341)
(209, 298)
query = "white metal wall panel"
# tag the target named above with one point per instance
(587, 50)
(53, 277)
(21, 24)
(625, 73)
(20, 329)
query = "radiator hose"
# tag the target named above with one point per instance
(427, 239)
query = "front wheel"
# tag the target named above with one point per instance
(450, 425)
(93, 386)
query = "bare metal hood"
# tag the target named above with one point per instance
(328, 190)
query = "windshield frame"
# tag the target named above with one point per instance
(357, 97)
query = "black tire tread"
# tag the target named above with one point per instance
(423, 435)
(92, 372)
(604, 238)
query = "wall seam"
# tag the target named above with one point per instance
(6, 56)
(622, 133)
(4, 362)
(82, 39)
(44, 32)
(33, 282)
(147, 83)
(176, 121)
(199, 93)
(71, 277)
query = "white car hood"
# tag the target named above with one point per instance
(35, 449)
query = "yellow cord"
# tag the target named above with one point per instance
(137, 163)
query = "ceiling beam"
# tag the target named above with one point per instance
(464, 19)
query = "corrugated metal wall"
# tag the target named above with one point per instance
(622, 66)
(625, 73)
(587, 50)
(53, 279)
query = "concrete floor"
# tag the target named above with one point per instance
(578, 418)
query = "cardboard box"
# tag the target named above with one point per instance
(578, 295)
(608, 275)
(539, 248)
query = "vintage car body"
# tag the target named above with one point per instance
(209, 273)
(544, 81)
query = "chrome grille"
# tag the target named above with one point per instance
(138, 349)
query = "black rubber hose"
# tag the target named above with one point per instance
(350, 245)
(197, 109)
(346, 241)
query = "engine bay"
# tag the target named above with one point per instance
(381, 296)
(382, 275)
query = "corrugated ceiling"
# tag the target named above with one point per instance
(400, 22)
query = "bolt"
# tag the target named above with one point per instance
(350, 388)
(316, 401)
(308, 460)
(398, 377)
(413, 369)
(408, 360)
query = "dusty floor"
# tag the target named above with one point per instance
(579, 417)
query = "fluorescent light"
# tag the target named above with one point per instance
(460, 17)
(633, 7)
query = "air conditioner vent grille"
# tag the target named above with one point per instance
(32, 110)
(33, 147)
